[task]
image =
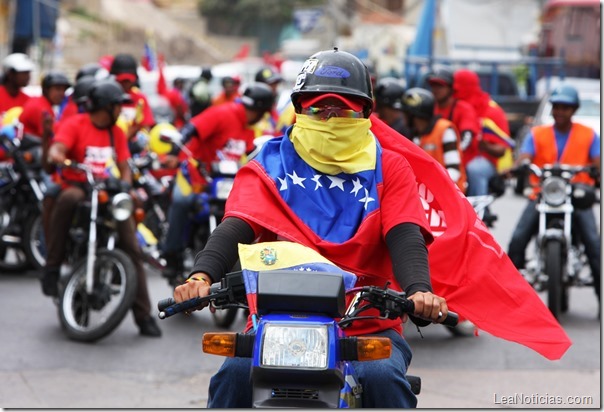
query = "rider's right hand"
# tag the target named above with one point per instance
(198, 285)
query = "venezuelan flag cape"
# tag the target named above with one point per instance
(467, 265)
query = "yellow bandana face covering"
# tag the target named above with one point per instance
(336, 145)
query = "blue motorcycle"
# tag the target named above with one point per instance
(300, 354)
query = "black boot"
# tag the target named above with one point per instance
(148, 327)
(50, 281)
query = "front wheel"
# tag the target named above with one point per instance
(557, 298)
(34, 242)
(90, 317)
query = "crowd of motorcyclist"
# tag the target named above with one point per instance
(102, 114)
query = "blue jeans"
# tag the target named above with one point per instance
(384, 381)
(178, 218)
(479, 170)
(584, 223)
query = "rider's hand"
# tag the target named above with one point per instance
(198, 285)
(429, 306)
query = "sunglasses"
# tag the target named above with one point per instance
(327, 112)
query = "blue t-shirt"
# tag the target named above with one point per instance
(528, 146)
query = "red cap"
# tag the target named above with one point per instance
(352, 104)
(436, 80)
(125, 76)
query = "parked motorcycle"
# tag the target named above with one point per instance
(300, 354)
(101, 285)
(559, 255)
(22, 241)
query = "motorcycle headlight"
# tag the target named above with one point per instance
(121, 206)
(553, 191)
(223, 188)
(295, 346)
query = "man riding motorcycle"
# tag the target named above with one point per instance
(564, 142)
(221, 131)
(94, 139)
(296, 189)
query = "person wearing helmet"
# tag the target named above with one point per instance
(437, 136)
(564, 142)
(268, 124)
(137, 113)
(200, 96)
(461, 113)
(219, 132)
(230, 90)
(16, 74)
(76, 101)
(329, 185)
(388, 105)
(94, 139)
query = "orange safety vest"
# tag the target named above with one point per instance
(432, 143)
(576, 151)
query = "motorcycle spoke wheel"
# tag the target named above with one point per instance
(89, 317)
(34, 242)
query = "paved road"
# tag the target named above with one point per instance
(41, 368)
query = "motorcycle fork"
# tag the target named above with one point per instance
(92, 240)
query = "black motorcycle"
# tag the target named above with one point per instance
(101, 286)
(22, 242)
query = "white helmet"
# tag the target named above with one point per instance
(18, 62)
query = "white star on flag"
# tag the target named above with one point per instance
(283, 184)
(297, 180)
(357, 186)
(366, 199)
(336, 182)
(316, 180)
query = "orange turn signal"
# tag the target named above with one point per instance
(373, 348)
(103, 197)
(139, 215)
(223, 344)
(28, 157)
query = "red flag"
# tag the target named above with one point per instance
(162, 87)
(243, 52)
(467, 265)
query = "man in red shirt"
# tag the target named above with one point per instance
(94, 139)
(16, 69)
(177, 101)
(219, 132)
(328, 184)
(461, 113)
(138, 112)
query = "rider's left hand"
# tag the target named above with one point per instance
(429, 306)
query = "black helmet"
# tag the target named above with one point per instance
(268, 75)
(258, 97)
(206, 73)
(334, 71)
(55, 79)
(230, 79)
(443, 75)
(106, 93)
(389, 92)
(418, 102)
(123, 63)
(89, 69)
(82, 88)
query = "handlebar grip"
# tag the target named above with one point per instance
(175, 308)
(164, 303)
(451, 320)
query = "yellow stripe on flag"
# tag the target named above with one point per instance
(185, 187)
(283, 254)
